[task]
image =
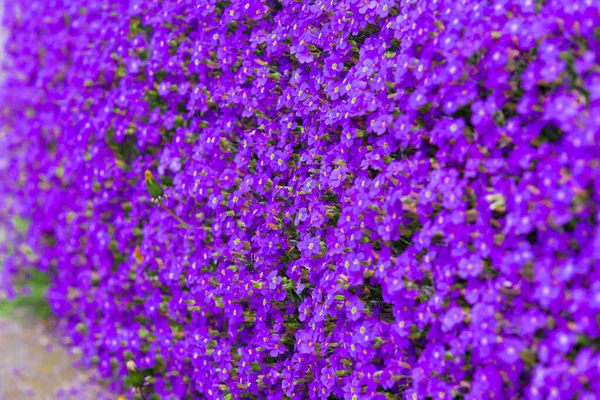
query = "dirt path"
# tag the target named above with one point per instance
(34, 366)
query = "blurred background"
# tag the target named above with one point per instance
(33, 364)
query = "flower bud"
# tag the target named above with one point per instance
(131, 365)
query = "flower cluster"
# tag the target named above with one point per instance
(381, 199)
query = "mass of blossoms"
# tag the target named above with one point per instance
(288, 199)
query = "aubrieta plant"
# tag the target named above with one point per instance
(358, 199)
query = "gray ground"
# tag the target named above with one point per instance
(34, 366)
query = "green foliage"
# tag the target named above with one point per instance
(33, 303)
(31, 284)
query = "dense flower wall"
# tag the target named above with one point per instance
(366, 199)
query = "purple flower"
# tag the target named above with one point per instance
(470, 267)
(310, 246)
(354, 308)
(454, 316)
(418, 98)
(510, 350)
(273, 280)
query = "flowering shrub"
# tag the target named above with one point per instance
(367, 199)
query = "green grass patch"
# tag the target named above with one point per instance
(34, 302)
